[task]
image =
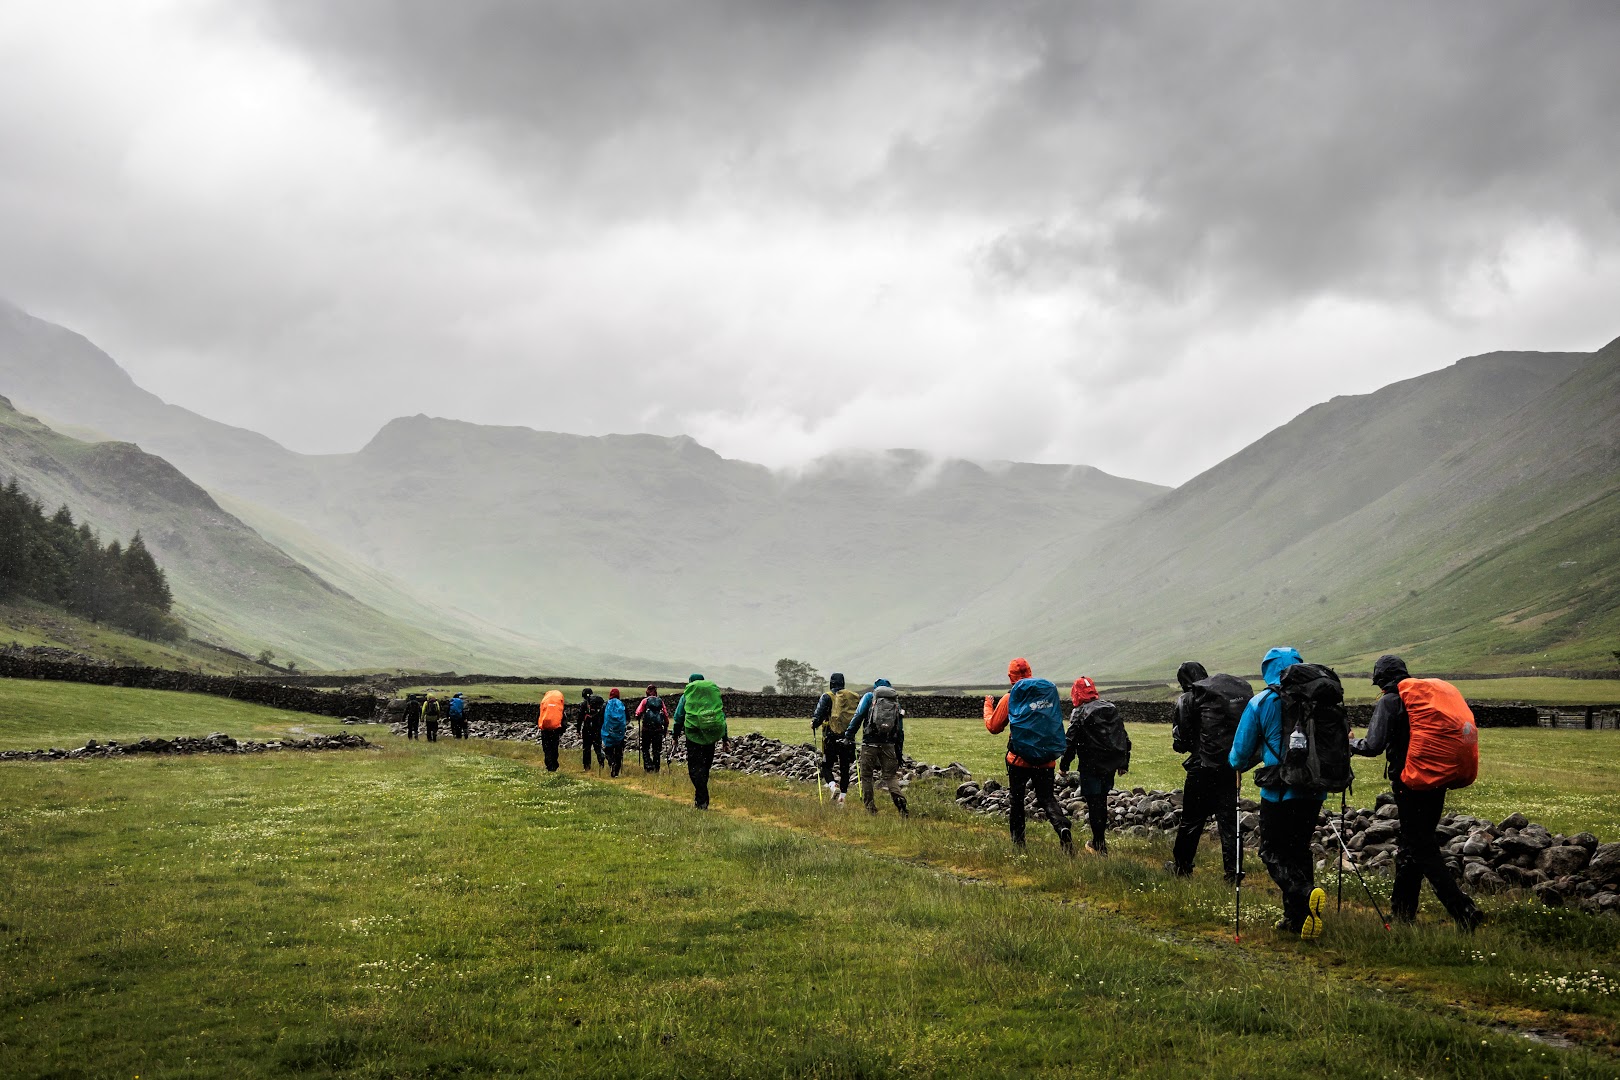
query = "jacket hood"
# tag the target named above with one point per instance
(613, 693)
(1388, 671)
(879, 682)
(694, 677)
(1190, 672)
(835, 681)
(652, 691)
(1019, 669)
(1277, 661)
(587, 692)
(1082, 691)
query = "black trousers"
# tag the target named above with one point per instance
(615, 758)
(1019, 779)
(411, 727)
(699, 760)
(458, 727)
(1209, 790)
(837, 758)
(550, 740)
(433, 730)
(1417, 856)
(592, 741)
(1286, 829)
(652, 750)
(1097, 819)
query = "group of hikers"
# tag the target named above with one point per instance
(1296, 730)
(426, 710)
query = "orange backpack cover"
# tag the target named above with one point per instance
(551, 710)
(1444, 751)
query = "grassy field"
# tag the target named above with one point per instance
(1567, 780)
(452, 909)
(29, 623)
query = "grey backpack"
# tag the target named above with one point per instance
(883, 722)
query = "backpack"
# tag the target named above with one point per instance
(613, 721)
(1107, 746)
(1444, 748)
(883, 721)
(652, 713)
(458, 707)
(703, 713)
(1315, 754)
(1220, 701)
(1035, 717)
(844, 704)
(551, 711)
(432, 711)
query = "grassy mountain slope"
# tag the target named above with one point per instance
(1449, 516)
(231, 587)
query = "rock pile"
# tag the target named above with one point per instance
(217, 743)
(50, 654)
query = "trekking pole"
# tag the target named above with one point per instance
(1237, 885)
(820, 801)
(1345, 849)
(1341, 861)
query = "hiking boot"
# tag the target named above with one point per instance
(1067, 840)
(1175, 869)
(1018, 845)
(1233, 878)
(1471, 920)
(871, 809)
(1312, 928)
(1097, 847)
(832, 790)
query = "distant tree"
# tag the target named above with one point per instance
(292, 665)
(767, 689)
(266, 658)
(797, 677)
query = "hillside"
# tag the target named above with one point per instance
(1466, 517)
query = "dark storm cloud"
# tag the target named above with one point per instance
(1150, 151)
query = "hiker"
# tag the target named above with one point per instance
(1426, 731)
(432, 710)
(590, 727)
(1288, 813)
(1206, 718)
(654, 717)
(551, 726)
(614, 728)
(1098, 743)
(1031, 707)
(458, 717)
(413, 715)
(701, 716)
(882, 746)
(834, 712)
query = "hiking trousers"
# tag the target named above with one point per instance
(458, 728)
(1287, 827)
(699, 761)
(1417, 856)
(592, 740)
(615, 758)
(837, 758)
(652, 750)
(880, 763)
(550, 740)
(1211, 790)
(433, 730)
(411, 728)
(1020, 778)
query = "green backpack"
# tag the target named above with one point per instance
(844, 704)
(703, 713)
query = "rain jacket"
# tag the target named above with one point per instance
(1260, 739)
(613, 720)
(1390, 730)
(997, 717)
(700, 714)
(1186, 721)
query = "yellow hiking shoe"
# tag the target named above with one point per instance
(1313, 920)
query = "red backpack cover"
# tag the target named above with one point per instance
(1444, 751)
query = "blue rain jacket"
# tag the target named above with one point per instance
(1260, 739)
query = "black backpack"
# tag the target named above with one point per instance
(1316, 732)
(652, 714)
(883, 719)
(1220, 701)
(1107, 746)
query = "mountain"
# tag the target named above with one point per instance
(1466, 517)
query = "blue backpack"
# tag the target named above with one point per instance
(1036, 713)
(613, 722)
(458, 706)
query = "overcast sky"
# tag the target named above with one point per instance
(1130, 235)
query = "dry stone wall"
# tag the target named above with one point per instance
(291, 698)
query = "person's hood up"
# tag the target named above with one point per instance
(613, 693)
(1277, 661)
(835, 681)
(652, 691)
(587, 692)
(1082, 691)
(1190, 672)
(694, 677)
(458, 695)
(879, 682)
(1019, 669)
(1388, 671)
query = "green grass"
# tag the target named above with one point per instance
(29, 623)
(454, 910)
(1567, 780)
(37, 715)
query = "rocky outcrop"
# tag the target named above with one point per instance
(217, 743)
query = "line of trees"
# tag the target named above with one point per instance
(56, 561)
